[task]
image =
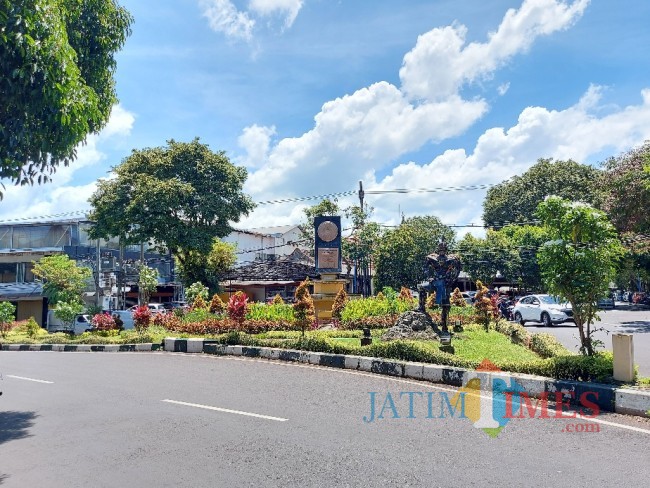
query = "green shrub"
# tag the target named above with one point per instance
(29, 328)
(197, 315)
(281, 312)
(547, 346)
(357, 310)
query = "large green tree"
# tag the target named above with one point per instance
(400, 257)
(579, 260)
(181, 196)
(209, 268)
(482, 258)
(57, 59)
(526, 239)
(515, 200)
(627, 198)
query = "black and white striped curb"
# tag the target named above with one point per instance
(608, 397)
(82, 347)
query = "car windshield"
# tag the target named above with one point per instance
(549, 299)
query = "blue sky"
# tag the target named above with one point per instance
(314, 95)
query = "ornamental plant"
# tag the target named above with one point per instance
(277, 300)
(217, 305)
(195, 289)
(141, 318)
(7, 311)
(457, 299)
(103, 322)
(483, 305)
(237, 307)
(339, 304)
(199, 303)
(304, 306)
(405, 294)
(431, 300)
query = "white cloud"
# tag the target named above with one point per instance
(224, 17)
(288, 8)
(573, 133)
(255, 140)
(371, 128)
(441, 63)
(59, 195)
(503, 88)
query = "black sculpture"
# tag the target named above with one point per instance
(442, 272)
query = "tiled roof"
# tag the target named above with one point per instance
(281, 270)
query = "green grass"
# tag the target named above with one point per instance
(474, 344)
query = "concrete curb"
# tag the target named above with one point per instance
(82, 347)
(609, 397)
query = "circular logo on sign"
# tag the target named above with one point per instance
(328, 231)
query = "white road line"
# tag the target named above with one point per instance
(411, 382)
(29, 379)
(227, 410)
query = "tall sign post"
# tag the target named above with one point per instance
(327, 255)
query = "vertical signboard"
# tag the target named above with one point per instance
(327, 230)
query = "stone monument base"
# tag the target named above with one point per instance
(413, 325)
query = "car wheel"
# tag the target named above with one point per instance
(546, 320)
(519, 319)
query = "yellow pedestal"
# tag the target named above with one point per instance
(325, 291)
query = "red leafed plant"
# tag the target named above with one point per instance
(141, 317)
(237, 307)
(103, 321)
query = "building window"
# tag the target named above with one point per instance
(7, 272)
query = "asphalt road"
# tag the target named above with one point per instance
(617, 321)
(101, 420)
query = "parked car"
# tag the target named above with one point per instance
(542, 308)
(81, 324)
(154, 307)
(606, 303)
(175, 305)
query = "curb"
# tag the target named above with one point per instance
(83, 347)
(607, 397)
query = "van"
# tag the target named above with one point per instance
(55, 324)
(126, 316)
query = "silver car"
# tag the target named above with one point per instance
(546, 309)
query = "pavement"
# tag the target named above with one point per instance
(166, 419)
(624, 319)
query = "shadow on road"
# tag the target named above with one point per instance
(636, 327)
(15, 425)
(3, 477)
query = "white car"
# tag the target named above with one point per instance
(546, 309)
(55, 324)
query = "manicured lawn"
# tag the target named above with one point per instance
(474, 344)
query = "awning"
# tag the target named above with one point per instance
(256, 283)
(21, 291)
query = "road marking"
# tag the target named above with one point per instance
(412, 382)
(227, 410)
(29, 379)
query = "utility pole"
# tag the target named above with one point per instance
(98, 269)
(120, 276)
(361, 194)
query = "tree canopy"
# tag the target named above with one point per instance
(400, 257)
(579, 260)
(57, 61)
(63, 280)
(182, 196)
(482, 258)
(207, 268)
(515, 200)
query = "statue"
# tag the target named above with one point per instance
(442, 273)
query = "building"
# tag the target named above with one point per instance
(112, 286)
